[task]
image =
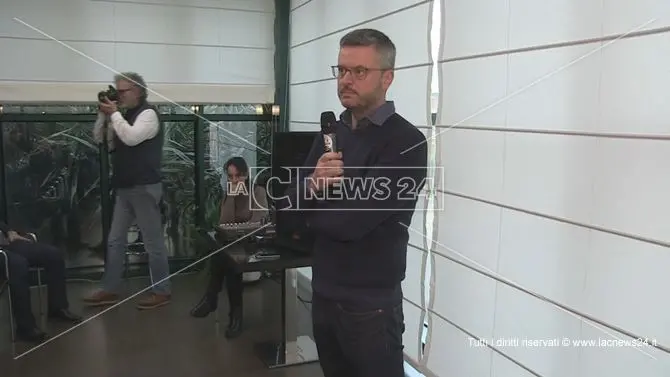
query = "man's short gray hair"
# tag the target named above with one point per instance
(134, 78)
(371, 37)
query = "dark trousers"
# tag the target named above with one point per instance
(355, 341)
(23, 255)
(222, 270)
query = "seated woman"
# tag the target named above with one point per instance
(237, 206)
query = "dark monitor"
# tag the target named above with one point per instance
(289, 150)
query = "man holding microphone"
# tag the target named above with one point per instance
(361, 243)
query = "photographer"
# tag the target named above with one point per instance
(137, 142)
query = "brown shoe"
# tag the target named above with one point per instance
(153, 301)
(101, 298)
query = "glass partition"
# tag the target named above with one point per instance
(53, 171)
(52, 185)
(179, 189)
(249, 140)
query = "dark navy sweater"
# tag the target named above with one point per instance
(360, 244)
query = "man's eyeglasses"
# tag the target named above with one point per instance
(358, 73)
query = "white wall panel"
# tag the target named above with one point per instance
(626, 285)
(309, 100)
(470, 229)
(417, 232)
(411, 338)
(455, 353)
(635, 76)
(321, 17)
(243, 5)
(195, 64)
(293, 126)
(459, 292)
(314, 59)
(28, 62)
(212, 51)
(529, 321)
(545, 256)
(555, 89)
(621, 360)
(463, 37)
(550, 174)
(71, 92)
(623, 16)
(412, 286)
(70, 20)
(502, 367)
(411, 93)
(537, 23)
(631, 185)
(473, 162)
(176, 25)
(297, 3)
(473, 92)
(614, 183)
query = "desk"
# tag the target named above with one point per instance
(290, 349)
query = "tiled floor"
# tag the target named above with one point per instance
(125, 342)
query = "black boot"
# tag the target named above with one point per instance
(207, 304)
(235, 325)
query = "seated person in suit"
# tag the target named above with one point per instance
(23, 253)
(237, 206)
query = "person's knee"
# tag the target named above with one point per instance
(117, 240)
(218, 260)
(18, 268)
(52, 254)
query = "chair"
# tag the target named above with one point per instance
(5, 285)
(38, 271)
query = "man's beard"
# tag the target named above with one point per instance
(365, 102)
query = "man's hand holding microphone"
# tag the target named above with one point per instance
(329, 169)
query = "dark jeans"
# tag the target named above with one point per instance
(222, 270)
(353, 341)
(23, 255)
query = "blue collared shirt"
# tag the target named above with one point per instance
(378, 117)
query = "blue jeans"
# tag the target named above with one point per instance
(141, 203)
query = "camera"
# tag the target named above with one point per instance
(111, 94)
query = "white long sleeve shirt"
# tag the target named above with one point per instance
(145, 127)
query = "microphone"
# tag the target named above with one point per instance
(328, 122)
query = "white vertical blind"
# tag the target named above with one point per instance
(539, 194)
(413, 285)
(316, 28)
(206, 51)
